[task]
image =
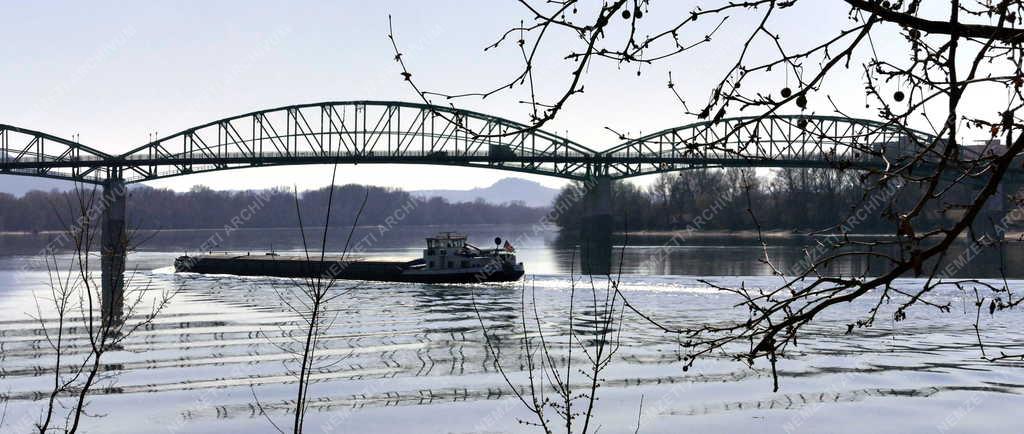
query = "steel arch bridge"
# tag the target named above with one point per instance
(378, 132)
(381, 132)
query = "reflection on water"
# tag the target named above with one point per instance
(546, 251)
(411, 357)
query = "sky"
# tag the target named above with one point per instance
(113, 74)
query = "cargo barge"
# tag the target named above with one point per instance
(448, 258)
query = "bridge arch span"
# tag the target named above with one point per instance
(773, 141)
(359, 132)
(28, 152)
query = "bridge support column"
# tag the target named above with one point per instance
(596, 232)
(113, 248)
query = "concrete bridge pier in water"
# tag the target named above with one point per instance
(596, 231)
(113, 247)
(999, 212)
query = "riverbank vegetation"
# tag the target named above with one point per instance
(704, 200)
(785, 200)
(152, 208)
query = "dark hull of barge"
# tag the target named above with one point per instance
(299, 267)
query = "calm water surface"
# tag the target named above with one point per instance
(411, 357)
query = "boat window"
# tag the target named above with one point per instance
(444, 252)
(431, 264)
(451, 265)
(430, 251)
(465, 264)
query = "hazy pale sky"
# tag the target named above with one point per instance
(116, 72)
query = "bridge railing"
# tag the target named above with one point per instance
(141, 167)
(93, 177)
(50, 159)
(200, 157)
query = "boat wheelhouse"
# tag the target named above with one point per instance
(449, 254)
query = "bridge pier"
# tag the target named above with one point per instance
(991, 215)
(113, 248)
(596, 231)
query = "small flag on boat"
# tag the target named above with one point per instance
(508, 247)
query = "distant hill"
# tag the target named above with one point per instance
(19, 185)
(505, 190)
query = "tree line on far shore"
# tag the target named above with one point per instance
(788, 199)
(709, 199)
(202, 207)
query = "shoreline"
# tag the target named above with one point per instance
(743, 234)
(275, 228)
(747, 233)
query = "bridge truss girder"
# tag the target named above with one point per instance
(32, 153)
(375, 132)
(359, 132)
(775, 141)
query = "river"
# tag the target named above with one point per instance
(412, 358)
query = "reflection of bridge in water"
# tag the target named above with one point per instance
(373, 132)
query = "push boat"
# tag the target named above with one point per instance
(448, 258)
